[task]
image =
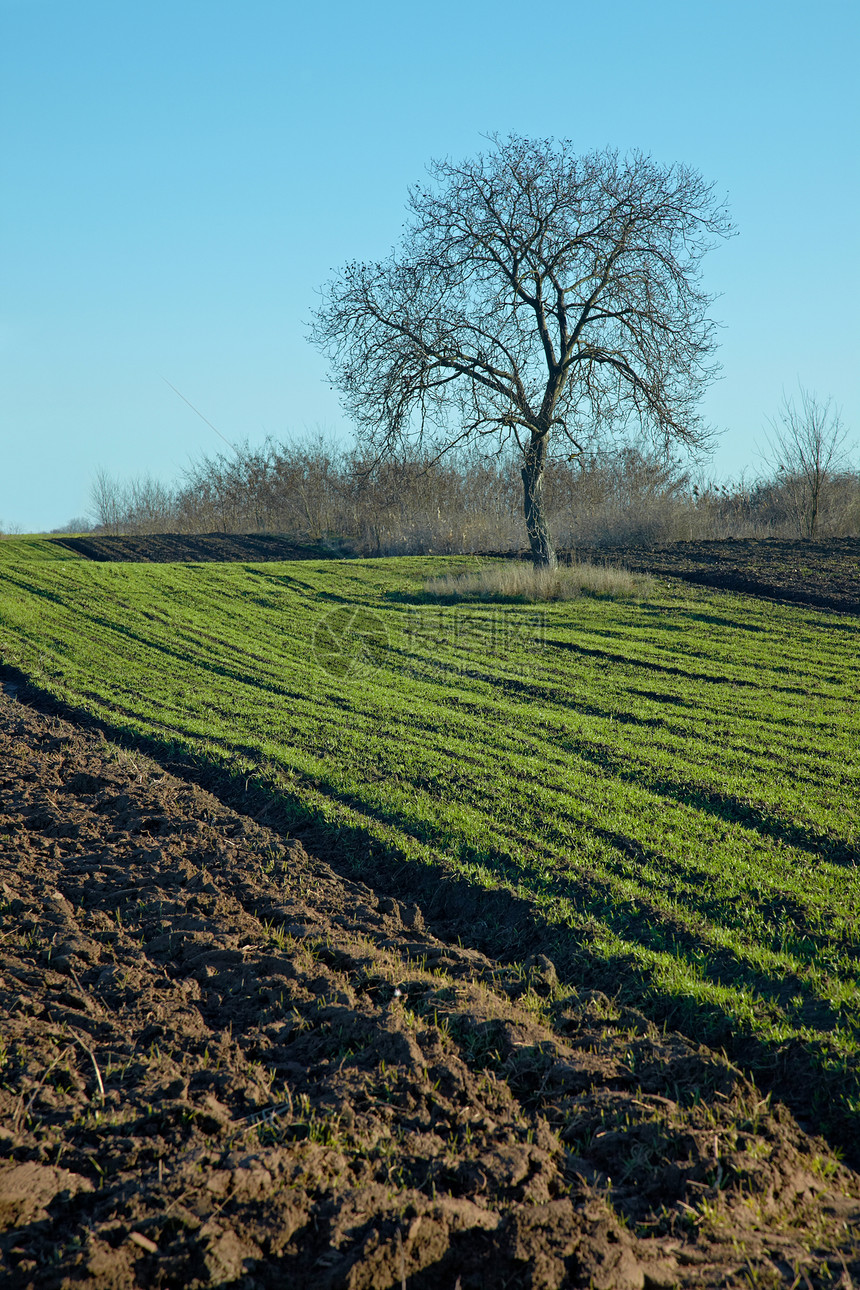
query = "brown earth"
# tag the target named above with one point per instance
(226, 1064)
(824, 574)
(170, 548)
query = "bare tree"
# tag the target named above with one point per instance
(107, 501)
(807, 448)
(536, 294)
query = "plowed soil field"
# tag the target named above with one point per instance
(226, 1063)
(168, 548)
(825, 574)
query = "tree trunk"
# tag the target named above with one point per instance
(534, 460)
(814, 502)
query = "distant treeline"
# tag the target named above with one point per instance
(415, 505)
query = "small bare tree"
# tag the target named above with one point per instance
(107, 501)
(536, 294)
(808, 450)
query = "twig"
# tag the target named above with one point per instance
(85, 994)
(267, 1116)
(92, 1058)
(143, 1242)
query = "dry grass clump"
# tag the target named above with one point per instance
(519, 580)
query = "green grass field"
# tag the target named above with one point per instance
(668, 789)
(13, 549)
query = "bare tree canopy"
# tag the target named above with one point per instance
(538, 295)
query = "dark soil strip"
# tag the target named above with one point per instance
(825, 575)
(170, 548)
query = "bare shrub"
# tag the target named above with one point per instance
(107, 502)
(623, 496)
(416, 505)
(290, 487)
(519, 581)
(149, 504)
(77, 524)
(461, 503)
(140, 505)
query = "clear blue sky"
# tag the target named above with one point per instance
(179, 178)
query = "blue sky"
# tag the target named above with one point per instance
(179, 179)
